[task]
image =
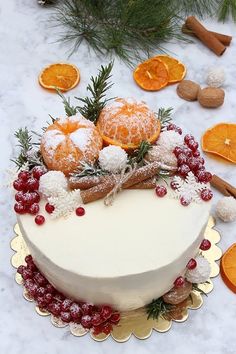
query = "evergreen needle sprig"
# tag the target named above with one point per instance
(86, 169)
(138, 155)
(25, 144)
(158, 308)
(98, 89)
(164, 115)
(227, 8)
(70, 110)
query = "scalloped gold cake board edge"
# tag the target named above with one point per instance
(132, 322)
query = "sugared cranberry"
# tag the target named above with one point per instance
(38, 171)
(181, 159)
(19, 196)
(19, 185)
(20, 269)
(40, 279)
(75, 311)
(173, 185)
(36, 197)
(50, 289)
(208, 177)
(27, 198)
(193, 145)
(205, 245)
(27, 274)
(39, 219)
(106, 312)
(49, 208)
(187, 138)
(48, 298)
(191, 264)
(32, 289)
(41, 302)
(177, 150)
(65, 316)
(171, 126)
(107, 328)
(115, 317)
(87, 308)
(66, 304)
(19, 208)
(24, 175)
(179, 130)
(32, 184)
(86, 321)
(41, 291)
(59, 297)
(183, 170)
(184, 201)
(179, 282)
(33, 209)
(97, 319)
(54, 308)
(28, 258)
(193, 163)
(201, 176)
(206, 195)
(196, 153)
(80, 211)
(161, 191)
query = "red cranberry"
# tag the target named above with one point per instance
(183, 170)
(36, 197)
(173, 185)
(19, 208)
(191, 264)
(41, 291)
(19, 196)
(59, 297)
(66, 304)
(193, 163)
(106, 312)
(193, 145)
(87, 308)
(196, 153)
(32, 289)
(205, 245)
(41, 302)
(206, 195)
(80, 211)
(107, 328)
(208, 177)
(187, 138)
(49, 208)
(86, 321)
(179, 282)
(184, 201)
(24, 175)
(40, 279)
(19, 185)
(115, 318)
(20, 269)
(27, 274)
(38, 171)
(48, 298)
(182, 159)
(161, 191)
(27, 198)
(50, 289)
(178, 130)
(32, 184)
(97, 319)
(177, 150)
(171, 126)
(65, 316)
(75, 311)
(39, 219)
(54, 308)
(201, 175)
(29, 258)
(33, 209)
(187, 152)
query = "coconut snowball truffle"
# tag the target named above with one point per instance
(226, 209)
(170, 139)
(201, 273)
(113, 158)
(52, 183)
(215, 77)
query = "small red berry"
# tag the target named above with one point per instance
(206, 195)
(66, 304)
(193, 145)
(173, 185)
(187, 152)
(183, 170)
(40, 279)
(205, 245)
(24, 175)
(39, 219)
(27, 198)
(177, 150)
(75, 311)
(97, 319)
(65, 316)
(32, 184)
(179, 130)
(35, 197)
(86, 321)
(27, 274)
(193, 163)
(41, 291)
(19, 208)
(28, 258)
(20, 269)
(106, 312)
(87, 308)
(80, 211)
(171, 126)
(161, 191)
(38, 171)
(54, 308)
(191, 264)
(184, 201)
(32, 289)
(179, 282)
(33, 209)
(19, 196)
(201, 175)
(50, 289)
(181, 159)
(107, 328)
(187, 138)
(115, 318)
(49, 208)
(208, 177)
(19, 185)
(196, 153)
(48, 298)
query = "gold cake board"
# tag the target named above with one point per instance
(132, 322)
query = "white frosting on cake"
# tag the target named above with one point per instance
(124, 255)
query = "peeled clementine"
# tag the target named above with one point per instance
(61, 75)
(176, 69)
(152, 75)
(127, 123)
(221, 140)
(228, 267)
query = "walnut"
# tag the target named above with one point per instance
(188, 90)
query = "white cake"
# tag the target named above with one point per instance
(124, 255)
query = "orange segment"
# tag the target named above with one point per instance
(177, 70)
(127, 123)
(228, 268)
(152, 75)
(221, 140)
(61, 75)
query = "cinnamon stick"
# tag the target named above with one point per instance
(223, 38)
(222, 186)
(97, 192)
(86, 182)
(149, 183)
(206, 37)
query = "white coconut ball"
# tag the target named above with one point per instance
(226, 209)
(201, 273)
(113, 158)
(215, 77)
(52, 183)
(169, 139)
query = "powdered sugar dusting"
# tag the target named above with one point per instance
(81, 137)
(51, 139)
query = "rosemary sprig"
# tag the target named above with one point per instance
(164, 115)
(138, 155)
(86, 169)
(98, 88)
(25, 143)
(196, 288)
(157, 308)
(70, 110)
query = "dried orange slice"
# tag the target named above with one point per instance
(221, 140)
(127, 123)
(228, 268)
(61, 75)
(152, 75)
(177, 70)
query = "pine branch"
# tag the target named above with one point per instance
(158, 308)
(227, 8)
(70, 110)
(98, 88)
